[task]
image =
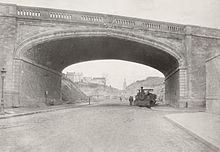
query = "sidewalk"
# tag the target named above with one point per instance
(22, 111)
(202, 125)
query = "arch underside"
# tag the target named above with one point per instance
(60, 53)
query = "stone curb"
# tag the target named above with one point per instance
(40, 111)
(204, 141)
(165, 110)
(177, 110)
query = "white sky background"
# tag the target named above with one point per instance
(195, 12)
(115, 70)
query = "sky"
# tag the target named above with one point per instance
(194, 12)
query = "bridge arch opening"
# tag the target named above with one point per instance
(41, 62)
(99, 79)
(129, 71)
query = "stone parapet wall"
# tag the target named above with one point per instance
(8, 9)
(204, 32)
(213, 84)
(95, 18)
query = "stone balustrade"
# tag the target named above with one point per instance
(56, 15)
(94, 18)
(151, 25)
(91, 18)
(124, 22)
(28, 13)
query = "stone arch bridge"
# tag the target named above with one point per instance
(36, 44)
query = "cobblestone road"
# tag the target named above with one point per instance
(108, 127)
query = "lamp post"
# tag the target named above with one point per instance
(3, 72)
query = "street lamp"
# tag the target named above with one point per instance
(3, 73)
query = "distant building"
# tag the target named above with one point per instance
(87, 79)
(99, 80)
(74, 76)
(78, 77)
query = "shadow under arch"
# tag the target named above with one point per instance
(49, 53)
(112, 33)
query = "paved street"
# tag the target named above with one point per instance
(104, 127)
